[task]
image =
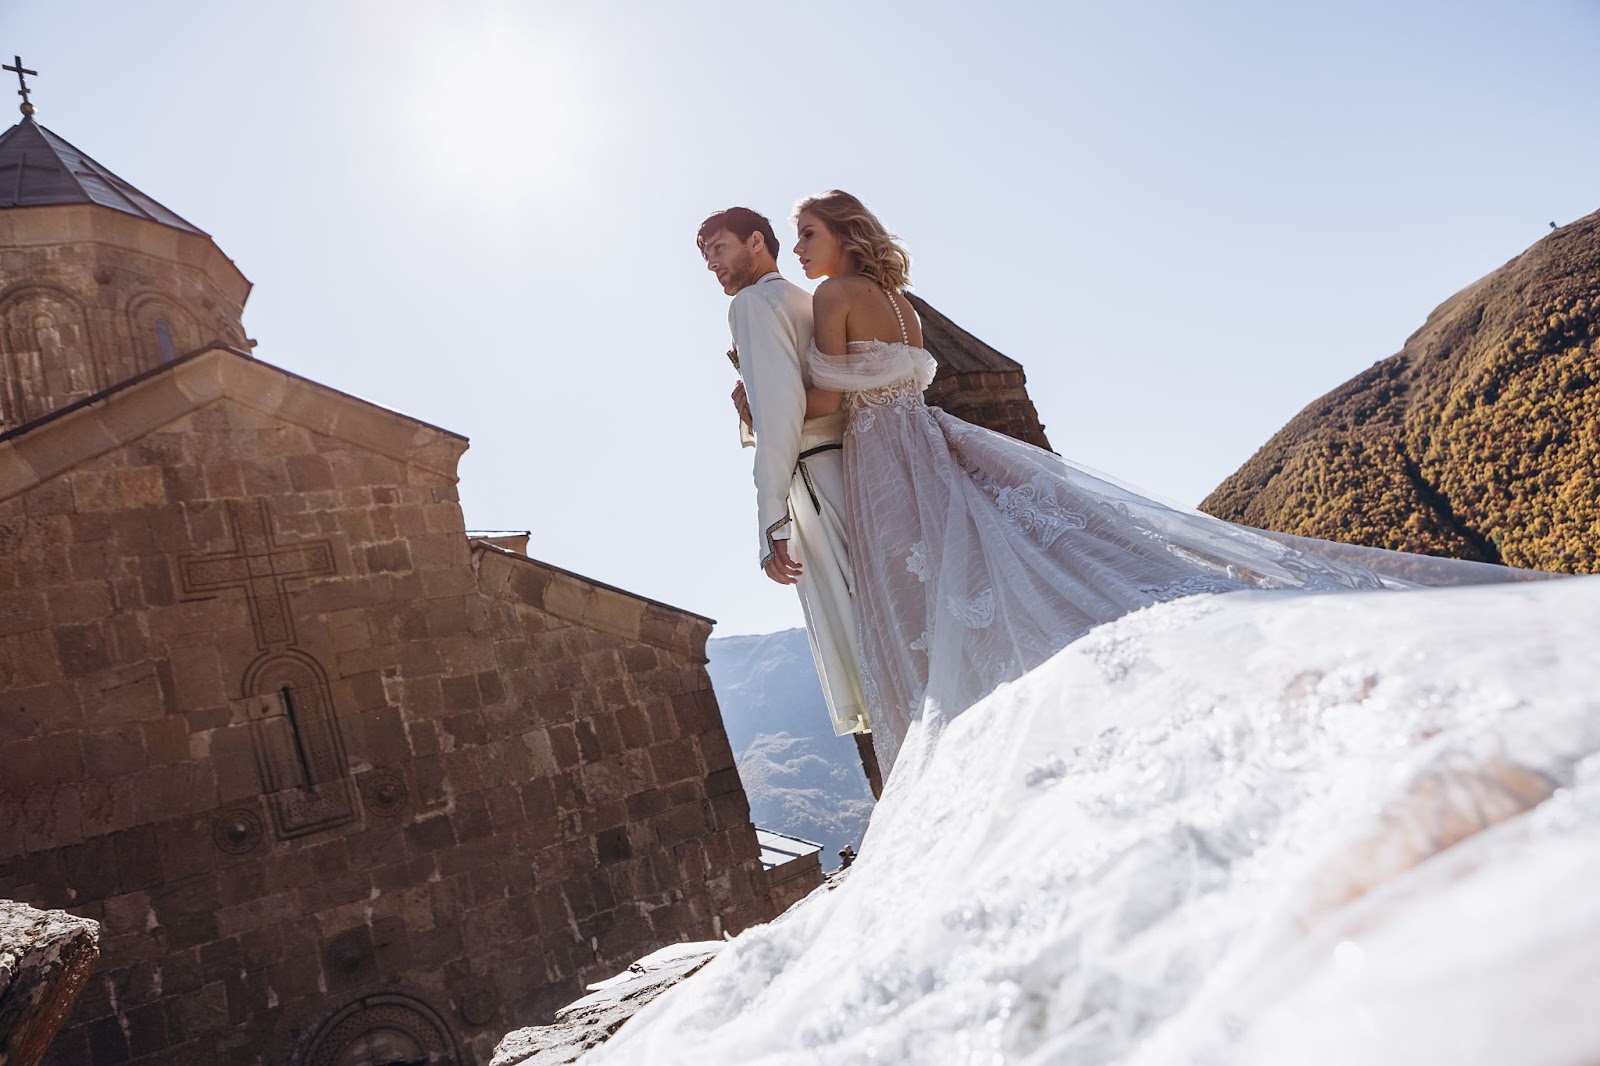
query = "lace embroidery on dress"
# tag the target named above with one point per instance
(1032, 509)
(917, 562)
(921, 643)
(865, 405)
(974, 613)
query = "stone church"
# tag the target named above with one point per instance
(342, 782)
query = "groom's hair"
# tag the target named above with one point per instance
(741, 222)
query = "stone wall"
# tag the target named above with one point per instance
(993, 399)
(320, 767)
(976, 382)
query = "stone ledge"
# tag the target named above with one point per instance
(587, 1023)
(56, 224)
(46, 957)
(505, 574)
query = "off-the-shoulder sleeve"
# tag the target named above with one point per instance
(872, 367)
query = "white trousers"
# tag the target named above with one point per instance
(819, 544)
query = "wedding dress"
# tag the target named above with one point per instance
(977, 556)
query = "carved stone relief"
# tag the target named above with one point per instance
(287, 703)
(381, 1029)
(46, 358)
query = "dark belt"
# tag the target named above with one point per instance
(805, 475)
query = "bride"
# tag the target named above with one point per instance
(977, 556)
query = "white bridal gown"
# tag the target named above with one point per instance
(977, 556)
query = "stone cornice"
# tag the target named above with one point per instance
(56, 224)
(593, 604)
(49, 446)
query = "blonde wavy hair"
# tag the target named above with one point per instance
(877, 252)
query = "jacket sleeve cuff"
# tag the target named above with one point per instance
(779, 530)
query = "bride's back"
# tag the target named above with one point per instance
(871, 315)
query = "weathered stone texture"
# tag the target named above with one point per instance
(589, 1022)
(45, 960)
(90, 297)
(299, 745)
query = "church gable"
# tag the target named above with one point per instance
(132, 409)
(278, 724)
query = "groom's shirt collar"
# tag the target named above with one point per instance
(768, 276)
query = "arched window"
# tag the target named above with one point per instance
(161, 330)
(164, 340)
(298, 747)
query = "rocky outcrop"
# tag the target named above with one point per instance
(585, 1024)
(590, 1021)
(1480, 439)
(45, 959)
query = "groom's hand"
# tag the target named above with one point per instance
(781, 567)
(741, 403)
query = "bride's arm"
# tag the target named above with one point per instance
(829, 310)
(821, 401)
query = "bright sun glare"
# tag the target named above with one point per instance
(504, 108)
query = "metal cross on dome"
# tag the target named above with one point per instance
(21, 72)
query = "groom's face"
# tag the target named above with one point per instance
(732, 261)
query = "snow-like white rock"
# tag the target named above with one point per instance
(1257, 828)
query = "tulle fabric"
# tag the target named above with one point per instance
(977, 556)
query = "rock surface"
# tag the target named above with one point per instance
(45, 959)
(588, 1022)
(1480, 439)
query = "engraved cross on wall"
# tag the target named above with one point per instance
(258, 564)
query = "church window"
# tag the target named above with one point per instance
(164, 339)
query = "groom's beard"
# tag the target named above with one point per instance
(742, 273)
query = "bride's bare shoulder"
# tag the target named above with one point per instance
(839, 292)
(832, 295)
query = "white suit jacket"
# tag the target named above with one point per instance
(771, 325)
(771, 322)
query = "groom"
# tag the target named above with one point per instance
(799, 470)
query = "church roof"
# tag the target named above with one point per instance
(956, 350)
(40, 169)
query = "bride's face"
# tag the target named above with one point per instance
(821, 253)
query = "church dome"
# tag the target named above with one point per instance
(40, 169)
(100, 283)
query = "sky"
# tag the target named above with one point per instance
(1186, 220)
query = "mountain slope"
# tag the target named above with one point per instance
(799, 777)
(1479, 439)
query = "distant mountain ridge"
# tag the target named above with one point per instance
(799, 777)
(1479, 439)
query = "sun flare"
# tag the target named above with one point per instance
(504, 107)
